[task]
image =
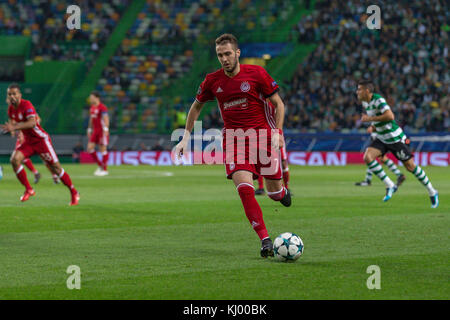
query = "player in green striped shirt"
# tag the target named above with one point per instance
(389, 137)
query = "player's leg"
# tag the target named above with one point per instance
(272, 173)
(278, 192)
(370, 158)
(29, 164)
(285, 168)
(48, 154)
(66, 180)
(243, 180)
(260, 190)
(367, 180)
(16, 161)
(105, 156)
(393, 168)
(54, 175)
(91, 150)
(420, 174)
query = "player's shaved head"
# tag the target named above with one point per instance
(14, 86)
(14, 94)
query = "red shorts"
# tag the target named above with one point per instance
(257, 158)
(42, 147)
(98, 137)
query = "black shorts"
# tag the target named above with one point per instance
(400, 149)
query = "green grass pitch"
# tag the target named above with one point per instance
(181, 233)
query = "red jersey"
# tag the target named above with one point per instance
(22, 113)
(97, 113)
(242, 98)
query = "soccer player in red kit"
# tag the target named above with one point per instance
(241, 92)
(98, 133)
(23, 117)
(27, 162)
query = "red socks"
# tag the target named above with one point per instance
(22, 176)
(252, 209)
(94, 156)
(286, 177)
(260, 182)
(105, 160)
(65, 179)
(29, 165)
(277, 195)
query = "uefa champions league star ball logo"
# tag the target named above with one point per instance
(245, 86)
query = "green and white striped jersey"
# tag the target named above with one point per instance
(387, 131)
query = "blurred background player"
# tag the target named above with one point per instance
(384, 159)
(98, 133)
(241, 92)
(23, 117)
(390, 137)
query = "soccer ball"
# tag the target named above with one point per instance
(288, 247)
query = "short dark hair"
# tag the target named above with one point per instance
(14, 86)
(96, 93)
(368, 84)
(227, 38)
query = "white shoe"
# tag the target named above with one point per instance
(103, 173)
(98, 172)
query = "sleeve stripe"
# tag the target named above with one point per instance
(204, 101)
(269, 95)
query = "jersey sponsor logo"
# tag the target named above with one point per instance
(219, 90)
(245, 86)
(20, 116)
(242, 102)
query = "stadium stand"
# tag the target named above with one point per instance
(409, 62)
(159, 49)
(45, 23)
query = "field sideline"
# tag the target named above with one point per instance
(181, 233)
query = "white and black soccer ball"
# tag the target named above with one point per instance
(288, 247)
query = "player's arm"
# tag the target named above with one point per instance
(10, 126)
(193, 115)
(276, 101)
(89, 128)
(14, 132)
(105, 123)
(387, 115)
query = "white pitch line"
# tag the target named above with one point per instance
(139, 175)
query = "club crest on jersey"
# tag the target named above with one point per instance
(20, 116)
(245, 86)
